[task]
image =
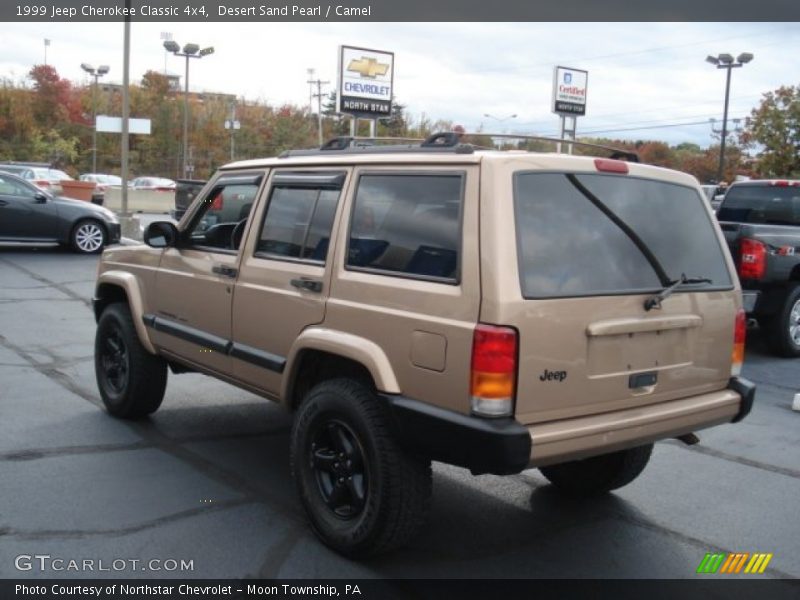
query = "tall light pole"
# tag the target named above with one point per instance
(189, 51)
(97, 74)
(726, 61)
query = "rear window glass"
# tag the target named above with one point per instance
(568, 247)
(768, 204)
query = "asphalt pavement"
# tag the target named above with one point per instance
(202, 489)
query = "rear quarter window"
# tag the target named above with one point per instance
(765, 204)
(407, 225)
(568, 247)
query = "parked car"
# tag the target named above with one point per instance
(40, 174)
(761, 223)
(160, 184)
(103, 181)
(30, 214)
(493, 310)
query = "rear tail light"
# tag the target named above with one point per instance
(752, 259)
(217, 203)
(494, 371)
(42, 183)
(739, 334)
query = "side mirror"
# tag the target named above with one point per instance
(161, 234)
(40, 198)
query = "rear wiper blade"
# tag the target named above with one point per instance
(655, 300)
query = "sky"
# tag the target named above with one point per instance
(645, 79)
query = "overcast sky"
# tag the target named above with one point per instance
(641, 75)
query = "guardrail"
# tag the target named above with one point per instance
(141, 201)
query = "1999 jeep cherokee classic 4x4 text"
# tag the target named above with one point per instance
(493, 310)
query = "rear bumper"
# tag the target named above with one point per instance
(572, 439)
(499, 446)
(504, 446)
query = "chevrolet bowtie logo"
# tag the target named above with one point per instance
(367, 67)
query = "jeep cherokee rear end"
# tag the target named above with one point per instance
(599, 369)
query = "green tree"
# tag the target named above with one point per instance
(774, 127)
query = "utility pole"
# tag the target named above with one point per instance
(310, 90)
(233, 125)
(46, 44)
(318, 96)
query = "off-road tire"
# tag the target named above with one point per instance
(783, 329)
(130, 379)
(392, 487)
(598, 474)
(88, 236)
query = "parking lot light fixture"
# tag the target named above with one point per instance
(500, 119)
(96, 73)
(190, 50)
(727, 62)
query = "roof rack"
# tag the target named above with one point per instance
(442, 142)
(438, 142)
(616, 153)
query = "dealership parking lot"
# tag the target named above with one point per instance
(204, 485)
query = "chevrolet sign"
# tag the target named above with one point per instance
(365, 82)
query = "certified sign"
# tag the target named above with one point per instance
(365, 82)
(569, 91)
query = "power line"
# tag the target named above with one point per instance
(691, 124)
(715, 115)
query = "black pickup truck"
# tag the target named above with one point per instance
(761, 223)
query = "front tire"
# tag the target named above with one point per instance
(88, 237)
(363, 495)
(783, 328)
(130, 379)
(599, 474)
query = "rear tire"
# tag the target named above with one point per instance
(783, 328)
(599, 474)
(130, 379)
(361, 492)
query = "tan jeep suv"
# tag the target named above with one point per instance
(493, 310)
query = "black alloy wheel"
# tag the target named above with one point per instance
(337, 460)
(114, 360)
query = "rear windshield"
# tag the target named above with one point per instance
(769, 204)
(567, 246)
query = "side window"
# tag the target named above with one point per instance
(299, 219)
(223, 214)
(407, 224)
(12, 188)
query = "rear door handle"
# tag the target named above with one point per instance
(225, 271)
(3, 203)
(311, 285)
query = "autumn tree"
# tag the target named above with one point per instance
(774, 128)
(51, 96)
